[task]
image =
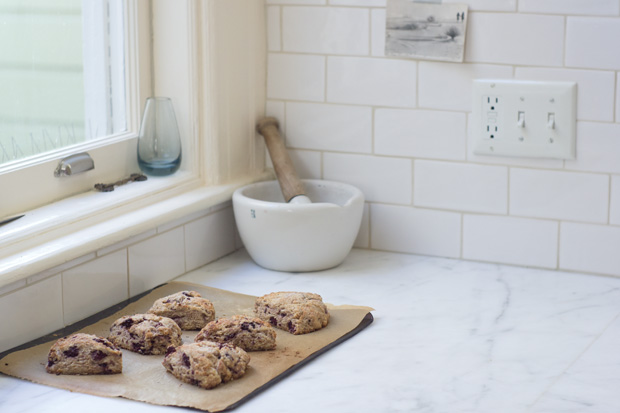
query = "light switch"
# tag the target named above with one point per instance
(524, 118)
(551, 120)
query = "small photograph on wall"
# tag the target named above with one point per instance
(425, 31)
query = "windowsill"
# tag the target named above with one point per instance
(65, 230)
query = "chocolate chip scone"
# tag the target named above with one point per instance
(249, 333)
(84, 354)
(206, 364)
(145, 333)
(187, 308)
(295, 312)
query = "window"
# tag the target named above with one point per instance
(71, 74)
(61, 73)
(209, 58)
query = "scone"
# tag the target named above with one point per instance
(84, 354)
(187, 308)
(206, 364)
(295, 312)
(145, 333)
(249, 333)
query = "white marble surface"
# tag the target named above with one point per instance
(449, 336)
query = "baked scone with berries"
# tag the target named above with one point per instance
(84, 354)
(295, 312)
(206, 364)
(249, 333)
(187, 308)
(145, 333)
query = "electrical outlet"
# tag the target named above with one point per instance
(524, 118)
(491, 106)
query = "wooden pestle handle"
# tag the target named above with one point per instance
(285, 172)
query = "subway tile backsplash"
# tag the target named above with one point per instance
(63, 295)
(399, 129)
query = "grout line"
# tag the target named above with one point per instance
(62, 298)
(413, 182)
(281, 18)
(369, 243)
(462, 246)
(609, 192)
(370, 32)
(557, 258)
(128, 274)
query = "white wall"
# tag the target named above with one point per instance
(398, 129)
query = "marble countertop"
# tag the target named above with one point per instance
(449, 336)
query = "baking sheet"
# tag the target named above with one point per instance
(145, 379)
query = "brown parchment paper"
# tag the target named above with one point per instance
(145, 379)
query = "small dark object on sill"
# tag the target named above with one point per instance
(110, 187)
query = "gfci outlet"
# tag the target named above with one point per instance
(525, 118)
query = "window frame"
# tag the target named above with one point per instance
(216, 108)
(37, 173)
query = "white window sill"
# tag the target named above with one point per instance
(63, 231)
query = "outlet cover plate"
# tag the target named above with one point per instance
(524, 118)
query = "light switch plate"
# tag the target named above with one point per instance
(524, 118)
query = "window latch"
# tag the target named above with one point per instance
(74, 164)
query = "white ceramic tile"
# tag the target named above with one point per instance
(508, 240)
(16, 285)
(274, 30)
(614, 206)
(587, 7)
(590, 248)
(595, 89)
(377, 32)
(370, 81)
(156, 260)
(184, 220)
(327, 30)
(306, 163)
(492, 39)
(329, 127)
(94, 286)
(127, 242)
(591, 381)
(415, 231)
(381, 179)
(365, 3)
(313, 2)
(363, 236)
(31, 312)
(598, 148)
(460, 186)
(488, 5)
(618, 98)
(59, 268)
(505, 160)
(449, 86)
(297, 77)
(420, 133)
(209, 238)
(559, 195)
(589, 41)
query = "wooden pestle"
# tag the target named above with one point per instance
(292, 187)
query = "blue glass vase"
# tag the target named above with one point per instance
(159, 142)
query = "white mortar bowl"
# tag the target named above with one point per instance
(298, 237)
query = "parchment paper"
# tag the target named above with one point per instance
(145, 379)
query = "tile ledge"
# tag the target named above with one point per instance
(66, 243)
